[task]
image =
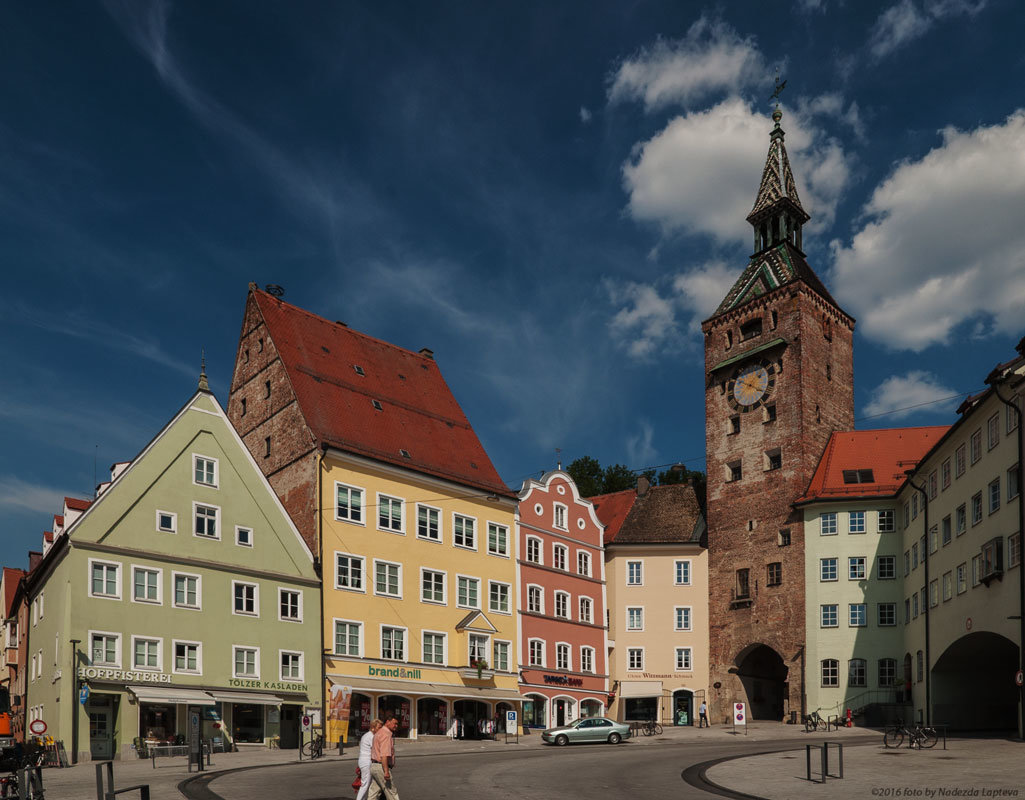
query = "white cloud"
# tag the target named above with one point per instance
(700, 173)
(640, 449)
(702, 289)
(943, 243)
(907, 20)
(585, 115)
(831, 105)
(19, 494)
(712, 57)
(900, 396)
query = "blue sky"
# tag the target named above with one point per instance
(550, 196)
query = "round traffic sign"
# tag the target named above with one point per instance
(307, 722)
(37, 726)
(1018, 678)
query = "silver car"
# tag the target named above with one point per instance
(591, 729)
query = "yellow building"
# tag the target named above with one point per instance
(413, 529)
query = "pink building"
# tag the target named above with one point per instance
(563, 633)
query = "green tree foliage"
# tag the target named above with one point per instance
(593, 479)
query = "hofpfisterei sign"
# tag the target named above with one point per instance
(129, 676)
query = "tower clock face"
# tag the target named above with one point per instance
(751, 385)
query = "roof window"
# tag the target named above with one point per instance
(404, 454)
(359, 370)
(377, 405)
(858, 476)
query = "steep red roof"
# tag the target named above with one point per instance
(418, 413)
(76, 504)
(11, 580)
(886, 452)
(612, 509)
(58, 520)
(48, 536)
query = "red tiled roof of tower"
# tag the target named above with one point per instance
(12, 577)
(76, 504)
(418, 415)
(612, 509)
(874, 460)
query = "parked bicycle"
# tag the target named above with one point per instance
(651, 728)
(314, 748)
(919, 736)
(9, 784)
(814, 722)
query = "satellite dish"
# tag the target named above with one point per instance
(275, 290)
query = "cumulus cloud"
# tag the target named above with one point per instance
(900, 396)
(943, 242)
(700, 173)
(907, 20)
(712, 57)
(640, 448)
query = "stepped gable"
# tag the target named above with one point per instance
(418, 414)
(885, 453)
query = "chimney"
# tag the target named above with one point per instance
(426, 352)
(643, 484)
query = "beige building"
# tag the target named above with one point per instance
(656, 569)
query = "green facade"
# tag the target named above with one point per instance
(170, 622)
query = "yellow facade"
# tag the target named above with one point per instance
(417, 571)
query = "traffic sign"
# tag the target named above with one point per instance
(739, 714)
(510, 720)
(1018, 677)
(83, 694)
(37, 726)
(307, 722)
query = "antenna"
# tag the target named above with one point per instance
(96, 450)
(558, 457)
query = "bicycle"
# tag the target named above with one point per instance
(314, 748)
(651, 728)
(919, 736)
(814, 722)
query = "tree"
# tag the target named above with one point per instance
(588, 476)
(593, 479)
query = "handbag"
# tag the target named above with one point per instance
(359, 779)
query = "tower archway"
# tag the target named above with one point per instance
(763, 674)
(973, 683)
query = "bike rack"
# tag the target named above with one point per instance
(109, 792)
(824, 753)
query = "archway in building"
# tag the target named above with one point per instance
(431, 716)
(590, 708)
(973, 683)
(763, 674)
(389, 705)
(562, 711)
(501, 711)
(469, 714)
(535, 711)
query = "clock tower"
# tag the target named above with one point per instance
(779, 378)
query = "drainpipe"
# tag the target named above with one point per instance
(74, 700)
(928, 595)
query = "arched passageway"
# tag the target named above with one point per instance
(762, 672)
(973, 684)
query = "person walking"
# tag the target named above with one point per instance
(366, 743)
(382, 759)
(703, 715)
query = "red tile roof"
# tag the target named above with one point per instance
(11, 579)
(887, 452)
(418, 415)
(612, 510)
(48, 536)
(76, 504)
(58, 520)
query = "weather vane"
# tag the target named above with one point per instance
(780, 86)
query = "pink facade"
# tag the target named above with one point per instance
(563, 633)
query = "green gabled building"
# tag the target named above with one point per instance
(183, 586)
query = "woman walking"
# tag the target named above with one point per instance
(366, 742)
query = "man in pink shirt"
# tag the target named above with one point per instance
(382, 759)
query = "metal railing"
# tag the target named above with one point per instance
(105, 788)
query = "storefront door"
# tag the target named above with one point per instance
(563, 711)
(290, 718)
(101, 733)
(683, 707)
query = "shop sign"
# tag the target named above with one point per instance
(395, 672)
(129, 676)
(658, 675)
(279, 685)
(564, 680)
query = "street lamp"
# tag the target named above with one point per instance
(74, 700)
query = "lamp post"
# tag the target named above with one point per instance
(74, 700)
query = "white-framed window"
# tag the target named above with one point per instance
(962, 578)
(387, 579)
(1012, 483)
(562, 604)
(635, 618)
(856, 568)
(535, 599)
(959, 461)
(146, 585)
(560, 556)
(856, 672)
(464, 531)
(886, 568)
(856, 522)
(634, 573)
(827, 569)
(976, 508)
(536, 652)
(393, 643)
(188, 657)
(887, 614)
(432, 586)
(389, 514)
(207, 521)
(583, 563)
(204, 470)
(945, 475)
(559, 518)
(534, 550)
(635, 658)
(887, 524)
(562, 658)
(434, 645)
(993, 431)
(498, 597)
(105, 579)
(858, 617)
(478, 647)
(829, 616)
(948, 585)
(500, 660)
(167, 522)
(827, 523)
(586, 606)
(683, 618)
(887, 672)
(246, 599)
(291, 666)
(994, 495)
(428, 523)
(245, 661)
(975, 446)
(290, 605)
(348, 637)
(187, 590)
(467, 592)
(587, 659)
(147, 653)
(104, 649)
(684, 659)
(681, 572)
(243, 536)
(498, 539)
(349, 503)
(830, 672)
(349, 572)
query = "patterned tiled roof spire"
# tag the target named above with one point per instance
(777, 215)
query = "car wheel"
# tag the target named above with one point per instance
(562, 740)
(615, 738)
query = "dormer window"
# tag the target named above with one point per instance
(359, 370)
(377, 405)
(751, 329)
(858, 476)
(404, 454)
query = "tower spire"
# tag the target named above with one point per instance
(204, 386)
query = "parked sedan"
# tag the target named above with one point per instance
(591, 729)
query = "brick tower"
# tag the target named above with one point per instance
(779, 378)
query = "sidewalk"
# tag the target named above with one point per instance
(967, 768)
